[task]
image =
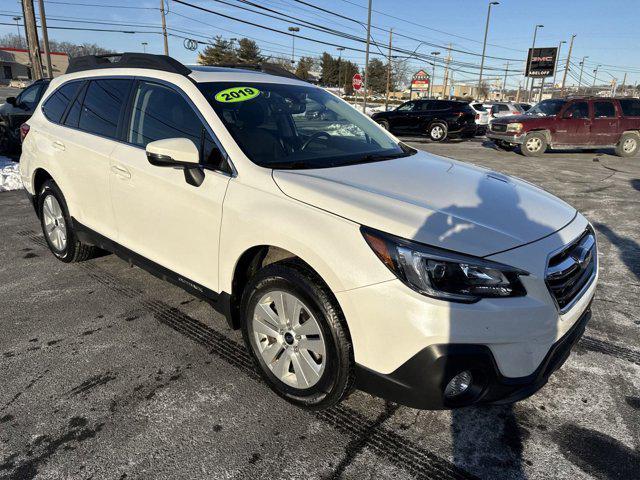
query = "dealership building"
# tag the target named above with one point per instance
(16, 65)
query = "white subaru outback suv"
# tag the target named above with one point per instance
(347, 258)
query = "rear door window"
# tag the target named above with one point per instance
(103, 104)
(603, 110)
(577, 110)
(57, 103)
(630, 107)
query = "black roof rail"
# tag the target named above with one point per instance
(127, 60)
(264, 67)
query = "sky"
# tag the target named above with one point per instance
(606, 30)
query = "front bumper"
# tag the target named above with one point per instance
(420, 382)
(505, 137)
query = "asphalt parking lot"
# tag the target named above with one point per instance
(108, 372)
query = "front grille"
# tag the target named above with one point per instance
(572, 269)
(498, 127)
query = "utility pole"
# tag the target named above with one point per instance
(45, 38)
(518, 94)
(555, 70)
(164, 28)
(595, 77)
(484, 44)
(624, 81)
(506, 71)
(446, 73)
(32, 38)
(386, 99)
(366, 61)
(566, 68)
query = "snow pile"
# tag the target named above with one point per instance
(9, 175)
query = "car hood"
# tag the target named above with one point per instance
(433, 200)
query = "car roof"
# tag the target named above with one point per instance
(202, 74)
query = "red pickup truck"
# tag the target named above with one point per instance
(576, 123)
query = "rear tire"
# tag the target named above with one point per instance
(628, 145)
(437, 132)
(534, 144)
(58, 228)
(297, 336)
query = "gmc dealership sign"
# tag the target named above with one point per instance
(541, 62)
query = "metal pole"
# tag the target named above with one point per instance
(530, 88)
(340, 49)
(433, 71)
(17, 19)
(32, 38)
(506, 71)
(446, 72)
(164, 28)
(484, 45)
(45, 38)
(580, 77)
(386, 99)
(624, 81)
(566, 68)
(595, 77)
(366, 61)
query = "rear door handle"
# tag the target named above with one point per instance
(58, 145)
(120, 171)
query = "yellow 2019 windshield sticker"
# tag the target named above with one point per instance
(237, 94)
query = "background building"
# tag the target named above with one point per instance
(15, 64)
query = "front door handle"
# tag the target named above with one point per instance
(120, 171)
(58, 145)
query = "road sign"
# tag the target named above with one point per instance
(356, 82)
(541, 62)
(420, 81)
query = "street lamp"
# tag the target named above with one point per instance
(433, 74)
(17, 19)
(340, 49)
(144, 47)
(595, 75)
(555, 71)
(535, 32)
(293, 30)
(484, 45)
(581, 69)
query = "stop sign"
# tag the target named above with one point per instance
(356, 82)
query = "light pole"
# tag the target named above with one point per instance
(293, 30)
(366, 61)
(340, 49)
(581, 69)
(144, 47)
(433, 73)
(555, 70)
(484, 45)
(533, 45)
(595, 75)
(17, 19)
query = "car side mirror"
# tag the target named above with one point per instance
(180, 153)
(12, 101)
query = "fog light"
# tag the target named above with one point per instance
(458, 384)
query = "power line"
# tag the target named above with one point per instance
(79, 4)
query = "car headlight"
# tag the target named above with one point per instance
(514, 127)
(443, 274)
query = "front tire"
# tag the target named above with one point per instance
(297, 336)
(437, 132)
(384, 124)
(58, 228)
(534, 144)
(628, 145)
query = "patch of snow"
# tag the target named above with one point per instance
(9, 175)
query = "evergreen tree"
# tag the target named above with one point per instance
(221, 51)
(248, 51)
(305, 64)
(377, 81)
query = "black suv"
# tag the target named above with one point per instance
(437, 118)
(16, 111)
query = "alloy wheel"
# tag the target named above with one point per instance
(534, 144)
(437, 132)
(289, 339)
(54, 224)
(629, 145)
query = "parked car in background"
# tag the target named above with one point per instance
(579, 123)
(17, 110)
(482, 117)
(503, 109)
(439, 119)
(525, 106)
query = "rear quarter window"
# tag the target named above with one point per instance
(630, 107)
(55, 106)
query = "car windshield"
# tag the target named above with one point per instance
(546, 108)
(298, 126)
